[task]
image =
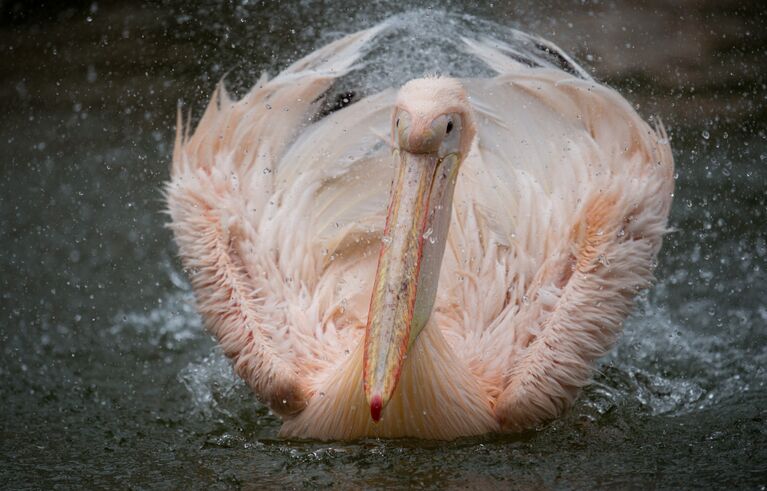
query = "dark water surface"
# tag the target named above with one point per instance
(106, 376)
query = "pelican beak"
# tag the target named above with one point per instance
(392, 306)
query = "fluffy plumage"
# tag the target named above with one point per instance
(558, 214)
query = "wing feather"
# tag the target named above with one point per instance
(250, 268)
(576, 188)
(559, 211)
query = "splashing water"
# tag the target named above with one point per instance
(107, 377)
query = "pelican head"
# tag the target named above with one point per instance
(432, 129)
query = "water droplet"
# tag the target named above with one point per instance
(705, 134)
(428, 235)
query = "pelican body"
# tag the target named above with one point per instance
(440, 260)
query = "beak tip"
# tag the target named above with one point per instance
(376, 406)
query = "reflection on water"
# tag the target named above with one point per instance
(107, 378)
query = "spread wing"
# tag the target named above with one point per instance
(558, 214)
(251, 201)
(570, 193)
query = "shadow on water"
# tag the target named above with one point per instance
(106, 376)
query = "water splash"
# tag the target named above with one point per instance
(212, 385)
(428, 42)
(172, 325)
(662, 365)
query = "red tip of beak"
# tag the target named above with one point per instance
(376, 405)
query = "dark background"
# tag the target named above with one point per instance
(106, 378)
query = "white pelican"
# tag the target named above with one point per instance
(525, 212)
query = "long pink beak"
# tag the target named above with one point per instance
(393, 302)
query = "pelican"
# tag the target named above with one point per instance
(443, 259)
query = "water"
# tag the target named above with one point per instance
(106, 376)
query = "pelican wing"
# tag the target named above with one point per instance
(570, 194)
(558, 214)
(242, 232)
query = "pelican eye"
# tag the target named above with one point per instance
(449, 127)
